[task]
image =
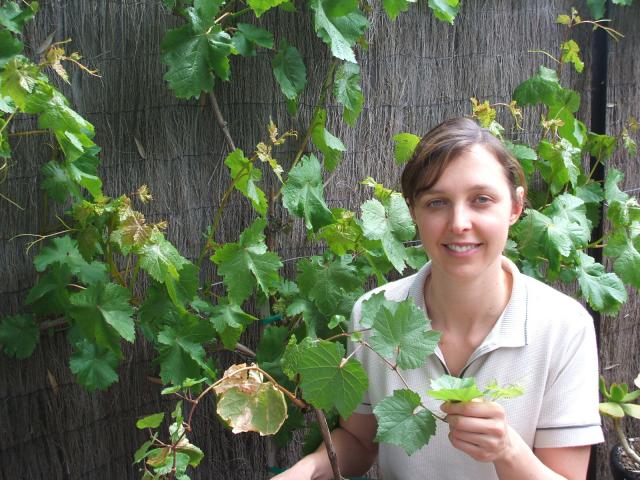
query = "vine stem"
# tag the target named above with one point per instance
(617, 423)
(28, 133)
(12, 202)
(326, 438)
(395, 369)
(221, 121)
(326, 84)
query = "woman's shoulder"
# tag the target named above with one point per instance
(546, 303)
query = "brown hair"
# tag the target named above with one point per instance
(443, 144)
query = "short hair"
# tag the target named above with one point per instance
(445, 143)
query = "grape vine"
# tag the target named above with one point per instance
(89, 270)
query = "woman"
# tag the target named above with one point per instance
(464, 191)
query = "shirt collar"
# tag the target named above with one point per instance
(511, 329)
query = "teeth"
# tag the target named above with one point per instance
(461, 248)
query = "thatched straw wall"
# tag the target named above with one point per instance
(417, 72)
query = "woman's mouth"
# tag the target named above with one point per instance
(462, 248)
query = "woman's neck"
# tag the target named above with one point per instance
(467, 308)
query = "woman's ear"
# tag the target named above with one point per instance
(518, 206)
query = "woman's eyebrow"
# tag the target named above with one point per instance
(434, 191)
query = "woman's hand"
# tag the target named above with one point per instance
(480, 430)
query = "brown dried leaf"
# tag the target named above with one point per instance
(246, 380)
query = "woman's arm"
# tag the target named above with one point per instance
(480, 429)
(355, 448)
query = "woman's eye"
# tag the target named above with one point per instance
(435, 203)
(483, 199)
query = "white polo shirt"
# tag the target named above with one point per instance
(543, 341)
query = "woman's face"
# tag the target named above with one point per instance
(463, 219)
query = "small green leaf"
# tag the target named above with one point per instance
(339, 32)
(454, 389)
(245, 177)
(9, 47)
(627, 264)
(160, 259)
(405, 144)
(248, 36)
(392, 224)
(328, 381)
(94, 366)
(571, 54)
(347, 91)
(150, 421)
(181, 354)
(261, 6)
(327, 282)
(142, 451)
(289, 71)
(631, 409)
(303, 194)
(245, 264)
(524, 154)
(402, 332)
(596, 7)
(445, 10)
(395, 7)
(329, 145)
(19, 335)
(403, 422)
(194, 453)
(64, 251)
(14, 15)
(605, 292)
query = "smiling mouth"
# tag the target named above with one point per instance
(462, 248)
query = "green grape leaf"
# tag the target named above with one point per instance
(245, 176)
(627, 262)
(194, 453)
(19, 335)
(339, 32)
(405, 144)
(392, 224)
(545, 88)
(395, 7)
(416, 257)
(57, 182)
(93, 366)
(289, 71)
(596, 7)
(311, 316)
(13, 17)
(181, 354)
(326, 282)
(445, 10)
(454, 389)
(347, 91)
(50, 295)
(194, 53)
(18, 80)
(605, 292)
(344, 234)
(64, 251)
(261, 6)
(329, 145)
(261, 408)
(230, 321)
(303, 194)
(330, 382)
(160, 259)
(245, 264)
(524, 154)
(370, 308)
(150, 421)
(403, 422)
(601, 146)
(401, 332)
(270, 350)
(571, 54)
(494, 391)
(102, 309)
(9, 47)
(631, 409)
(612, 192)
(564, 164)
(248, 36)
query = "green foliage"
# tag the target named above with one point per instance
(403, 421)
(93, 365)
(405, 144)
(329, 145)
(19, 335)
(303, 194)
(395, 7)
(340, 31)
(245, 177)
(445, 10)
(402, 332)
(261, 410)
(289, 71)
(247, 264)
(347, 91)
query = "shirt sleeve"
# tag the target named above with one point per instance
(569, 414)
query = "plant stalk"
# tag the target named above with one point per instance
(617, 423)
(326, 438)
(221, 121)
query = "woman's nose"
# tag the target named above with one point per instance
(460, 220)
